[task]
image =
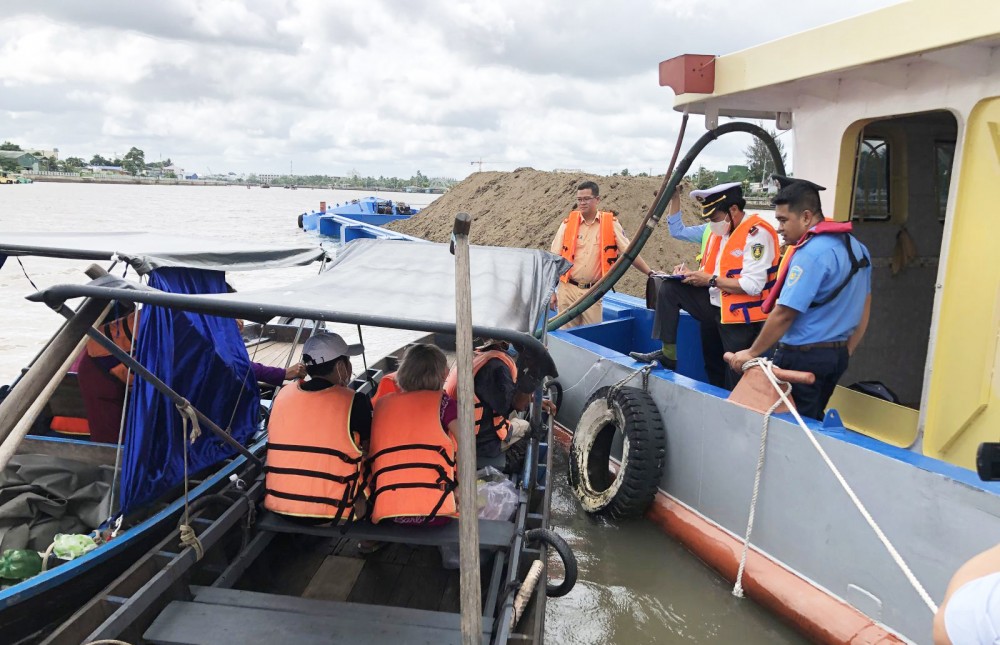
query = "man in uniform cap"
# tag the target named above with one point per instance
(726, 293)
(821, 299)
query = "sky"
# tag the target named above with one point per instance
(376, 87)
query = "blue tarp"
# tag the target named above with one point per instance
(203, 359)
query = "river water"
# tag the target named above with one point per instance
(636, 585)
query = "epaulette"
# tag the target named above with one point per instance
(753, 230)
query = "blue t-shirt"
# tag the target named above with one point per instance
(816, 270)
(686, 233)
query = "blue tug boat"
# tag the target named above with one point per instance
(368, 210)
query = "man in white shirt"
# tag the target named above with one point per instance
(725, 294)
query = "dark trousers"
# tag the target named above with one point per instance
(716, 338)
(827, 363)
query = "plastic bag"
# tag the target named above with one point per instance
(18, 564)
(69, 546)
(497, 499)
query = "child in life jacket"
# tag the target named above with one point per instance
(412, 468)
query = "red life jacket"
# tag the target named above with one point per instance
(826, 227)
(609, 244)
(499, 423)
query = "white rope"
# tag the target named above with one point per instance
(189, 419)
(896, 557)
(738, 587)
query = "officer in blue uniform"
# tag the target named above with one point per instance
(819, 308)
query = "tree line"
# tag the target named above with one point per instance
(134, 161)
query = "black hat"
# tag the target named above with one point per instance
(721, 196)
(785, 182)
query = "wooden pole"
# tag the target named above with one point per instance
(468, 520)
(26, 401)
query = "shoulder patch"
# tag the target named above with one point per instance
(753, 230)
(757, 251)
(794, 274)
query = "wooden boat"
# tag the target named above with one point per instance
(28, 606)
(263, 576)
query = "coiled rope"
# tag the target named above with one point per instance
(189, 419)
(765, 366)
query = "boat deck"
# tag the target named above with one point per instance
(321, 589)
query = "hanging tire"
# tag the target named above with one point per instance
(555, 390)
(570, 569)
(632, 414)
(300, 219)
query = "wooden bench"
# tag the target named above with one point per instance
(249, 617)
(492, 533)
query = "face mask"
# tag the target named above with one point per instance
(719, 228)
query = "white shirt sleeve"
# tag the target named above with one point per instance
(758, 254)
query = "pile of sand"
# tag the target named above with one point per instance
(524, 209)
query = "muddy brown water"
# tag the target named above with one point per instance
(636, 584)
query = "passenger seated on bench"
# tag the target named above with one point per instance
(102, 376)
(502, 388)
(316, 435)
(411, 465)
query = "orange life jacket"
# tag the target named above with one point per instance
(741, 308)
(70, 425)
(499, 423)
(313, 461)
(121, 331)
(411, 467)
(609, 244)
(387, 385)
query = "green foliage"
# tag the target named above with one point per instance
(758, 159)
(7, 145)
(702, 179)
(98, 160)
(134, 161)
(9, 165)
(74, 163)
(624, 172)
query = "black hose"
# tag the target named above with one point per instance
(662, 200)
(565, 554)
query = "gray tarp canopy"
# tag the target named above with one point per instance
(382, 283)
(148, 251)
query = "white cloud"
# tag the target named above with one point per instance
(387, 88)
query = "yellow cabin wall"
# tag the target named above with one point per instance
(888, 33)
(963, 402)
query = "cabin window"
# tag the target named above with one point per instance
(871, 183)
(944, 155)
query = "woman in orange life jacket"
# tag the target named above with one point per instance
(317, 432)
(411, 467)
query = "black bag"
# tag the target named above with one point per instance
(878, 389)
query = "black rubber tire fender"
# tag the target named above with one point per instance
(554, 540)
(555, 390)
(633, 414)
(300, 219)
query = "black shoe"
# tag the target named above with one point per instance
(647, 358)
(669, 363)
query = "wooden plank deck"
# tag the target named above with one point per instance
(230, 616)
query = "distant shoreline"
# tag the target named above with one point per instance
(147, 181)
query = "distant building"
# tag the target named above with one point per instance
(51, 154)
(107, 170)
(25, 160)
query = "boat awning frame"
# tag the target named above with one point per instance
(146, 251)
